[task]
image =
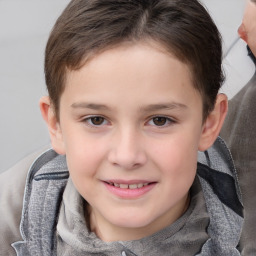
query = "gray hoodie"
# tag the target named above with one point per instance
(52, 220)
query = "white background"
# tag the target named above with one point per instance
(24, 29)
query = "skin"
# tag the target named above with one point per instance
(247, 30)
(127, 119)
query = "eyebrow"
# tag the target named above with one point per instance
(164, 106)
(89, 106)
(148, 108)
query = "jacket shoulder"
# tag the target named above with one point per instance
(12, 185)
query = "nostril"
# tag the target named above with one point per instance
(127, 160)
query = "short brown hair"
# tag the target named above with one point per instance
(183, 27)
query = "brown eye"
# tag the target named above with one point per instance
(160, 120)
(96, 120)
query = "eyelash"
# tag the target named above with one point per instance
(167, 121)
(88, 121)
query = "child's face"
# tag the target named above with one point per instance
(131, 118)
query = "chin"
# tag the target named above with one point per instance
(132, 222)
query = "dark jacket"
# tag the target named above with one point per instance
(239, 132)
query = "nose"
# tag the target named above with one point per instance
(127, 150)
(242, 32)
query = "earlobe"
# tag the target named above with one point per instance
(212, 125)
(53, 124)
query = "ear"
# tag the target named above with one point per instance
(212, 125)
(51, 120)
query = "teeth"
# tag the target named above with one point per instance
(133, 186)
(123, 185)
(130, 186)
(140, 185)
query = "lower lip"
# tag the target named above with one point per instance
(129, 193)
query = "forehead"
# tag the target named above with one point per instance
(124, 57)
(141, 74)
(143, 50)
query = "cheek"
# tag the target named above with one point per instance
(178, 167)
(84, 163)
(176, 156)
(84, 155)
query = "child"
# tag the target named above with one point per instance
(133, 95)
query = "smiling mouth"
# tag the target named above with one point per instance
(129, 190)
(129, 186)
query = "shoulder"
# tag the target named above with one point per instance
(239, 125)
(12, 185)
(217, 168)
(243, 102)
(218, 179)
(218, 157)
